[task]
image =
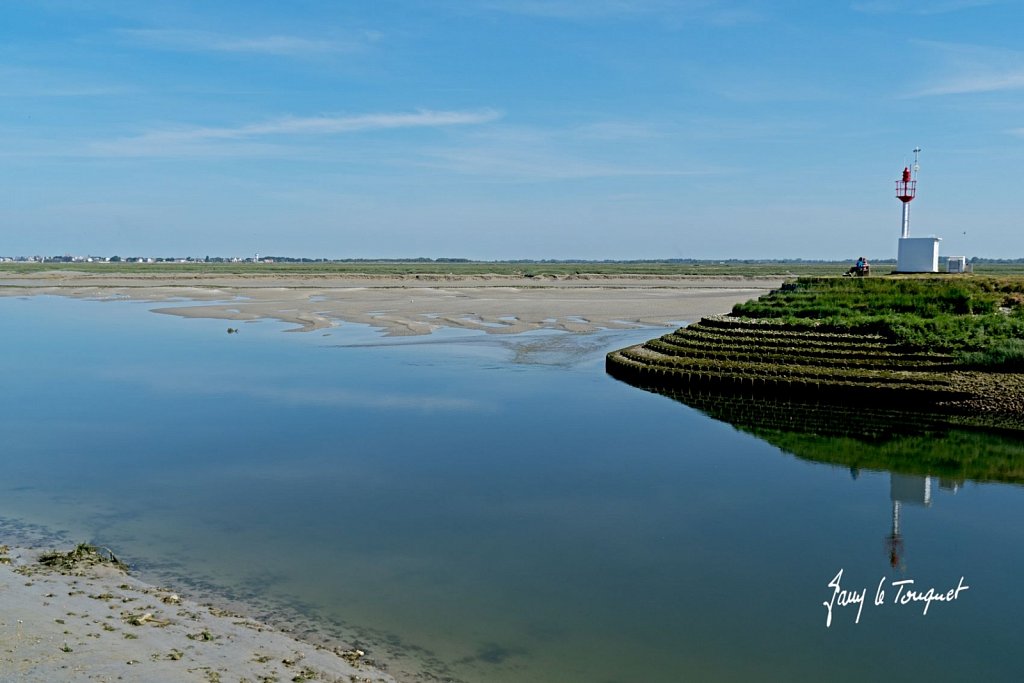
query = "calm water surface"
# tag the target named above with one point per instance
(487, 508)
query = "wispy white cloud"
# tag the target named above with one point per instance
(580, 9)
(523, 164)
(618, 130)
(919, 7)
(976, 83)
(32, 82)
(186, 141)
(279, 45)
(541, 155)
(768, 87)
(734, 16)
(972, 69)
(773, 129)
(709, 11)
(328, 125)
(65, 91)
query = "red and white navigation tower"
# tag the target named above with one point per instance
(916, 254)
(906, 190)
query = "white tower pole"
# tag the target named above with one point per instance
(906, 220)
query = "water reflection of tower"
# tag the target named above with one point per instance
(908, 489)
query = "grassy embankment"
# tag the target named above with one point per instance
(949, 342)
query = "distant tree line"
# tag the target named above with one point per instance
(422, 259)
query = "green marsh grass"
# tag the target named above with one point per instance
(966, 315)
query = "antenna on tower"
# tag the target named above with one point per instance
(917, 156)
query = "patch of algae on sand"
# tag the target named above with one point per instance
(81, 557)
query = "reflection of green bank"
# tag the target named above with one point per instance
(901, 441)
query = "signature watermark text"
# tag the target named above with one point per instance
(902, 592)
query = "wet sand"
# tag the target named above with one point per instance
(89, 621)
(415, 304)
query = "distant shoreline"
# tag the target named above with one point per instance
(425, 267)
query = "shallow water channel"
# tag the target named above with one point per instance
(494, 508)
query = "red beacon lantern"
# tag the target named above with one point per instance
(906, 190)
(905, 187)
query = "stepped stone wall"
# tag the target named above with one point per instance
(726, 354)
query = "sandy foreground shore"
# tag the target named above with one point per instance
(415, 304)
(95, 623)
(87, 620)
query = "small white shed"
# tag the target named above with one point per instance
(918, 255)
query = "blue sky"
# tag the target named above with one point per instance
(501, 129)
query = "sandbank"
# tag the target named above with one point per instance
(415, 304)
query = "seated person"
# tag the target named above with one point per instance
(860, 268)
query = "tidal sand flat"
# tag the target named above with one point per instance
(416, 304)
